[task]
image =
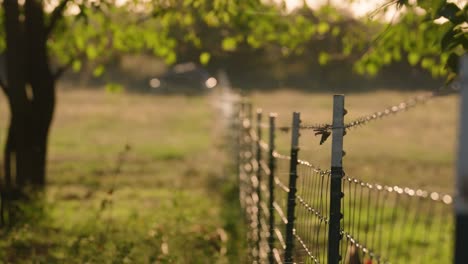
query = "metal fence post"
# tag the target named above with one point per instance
(291, 203)
(248, 110)
(461, 201)
(241, 157)
(259, 183)
(271, 189)
(334, 236)
(239, 135)
(250, 192)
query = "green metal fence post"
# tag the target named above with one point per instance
(291, 203)
(461, 201)
(334, 235)
(241, 158)
(271, 189)
(259, 183)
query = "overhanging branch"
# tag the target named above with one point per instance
(61, 70)
(56, 15)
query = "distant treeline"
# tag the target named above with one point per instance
(265, 70)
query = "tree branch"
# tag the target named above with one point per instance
(61, 70)
(56, 15)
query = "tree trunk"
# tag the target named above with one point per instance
(30, 90)
(15, 92)
(42, 83)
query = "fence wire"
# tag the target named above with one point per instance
(247, 184)
(311, 229)
(263, 204)
(381, 224)
(324, 130)
(281, 191)
(392, 224)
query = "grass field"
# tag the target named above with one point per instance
(142, 179)
(412, 149)
(131, 179)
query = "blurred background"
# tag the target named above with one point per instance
(116, 117)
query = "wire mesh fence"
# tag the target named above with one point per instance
(392, 224)
(312, 214)
(288, 205)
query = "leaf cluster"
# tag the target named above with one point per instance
(431, 34)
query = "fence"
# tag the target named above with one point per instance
(299, 212)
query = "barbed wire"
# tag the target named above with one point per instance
(324, 130)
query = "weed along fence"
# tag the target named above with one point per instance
(298, 211)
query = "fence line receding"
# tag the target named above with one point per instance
(299, 212)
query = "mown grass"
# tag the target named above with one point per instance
(131, 179)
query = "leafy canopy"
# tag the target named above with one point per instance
(432, 34)
(428, 33)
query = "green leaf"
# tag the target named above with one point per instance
(451, 77)
(359, 68)
(323, 27)
(451, 12)
(372, 69)
(413, 58)
(205, 58)
(229, 44)
(187, 3)
(211, 19)
(170, 58)
(427, 63)
(448, 40)
(387, 58)
(98, 71)
(76, 66)
(252, 41)
(91, 52)
(335, 31)
(431, 6)
(80, 42)
(347, 49)
(323, 58)
(187, 20)
(397, 54)
(464, 41)
(114, 88)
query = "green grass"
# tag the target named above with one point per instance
(131, 179)
(143, 179)
(413, 149)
